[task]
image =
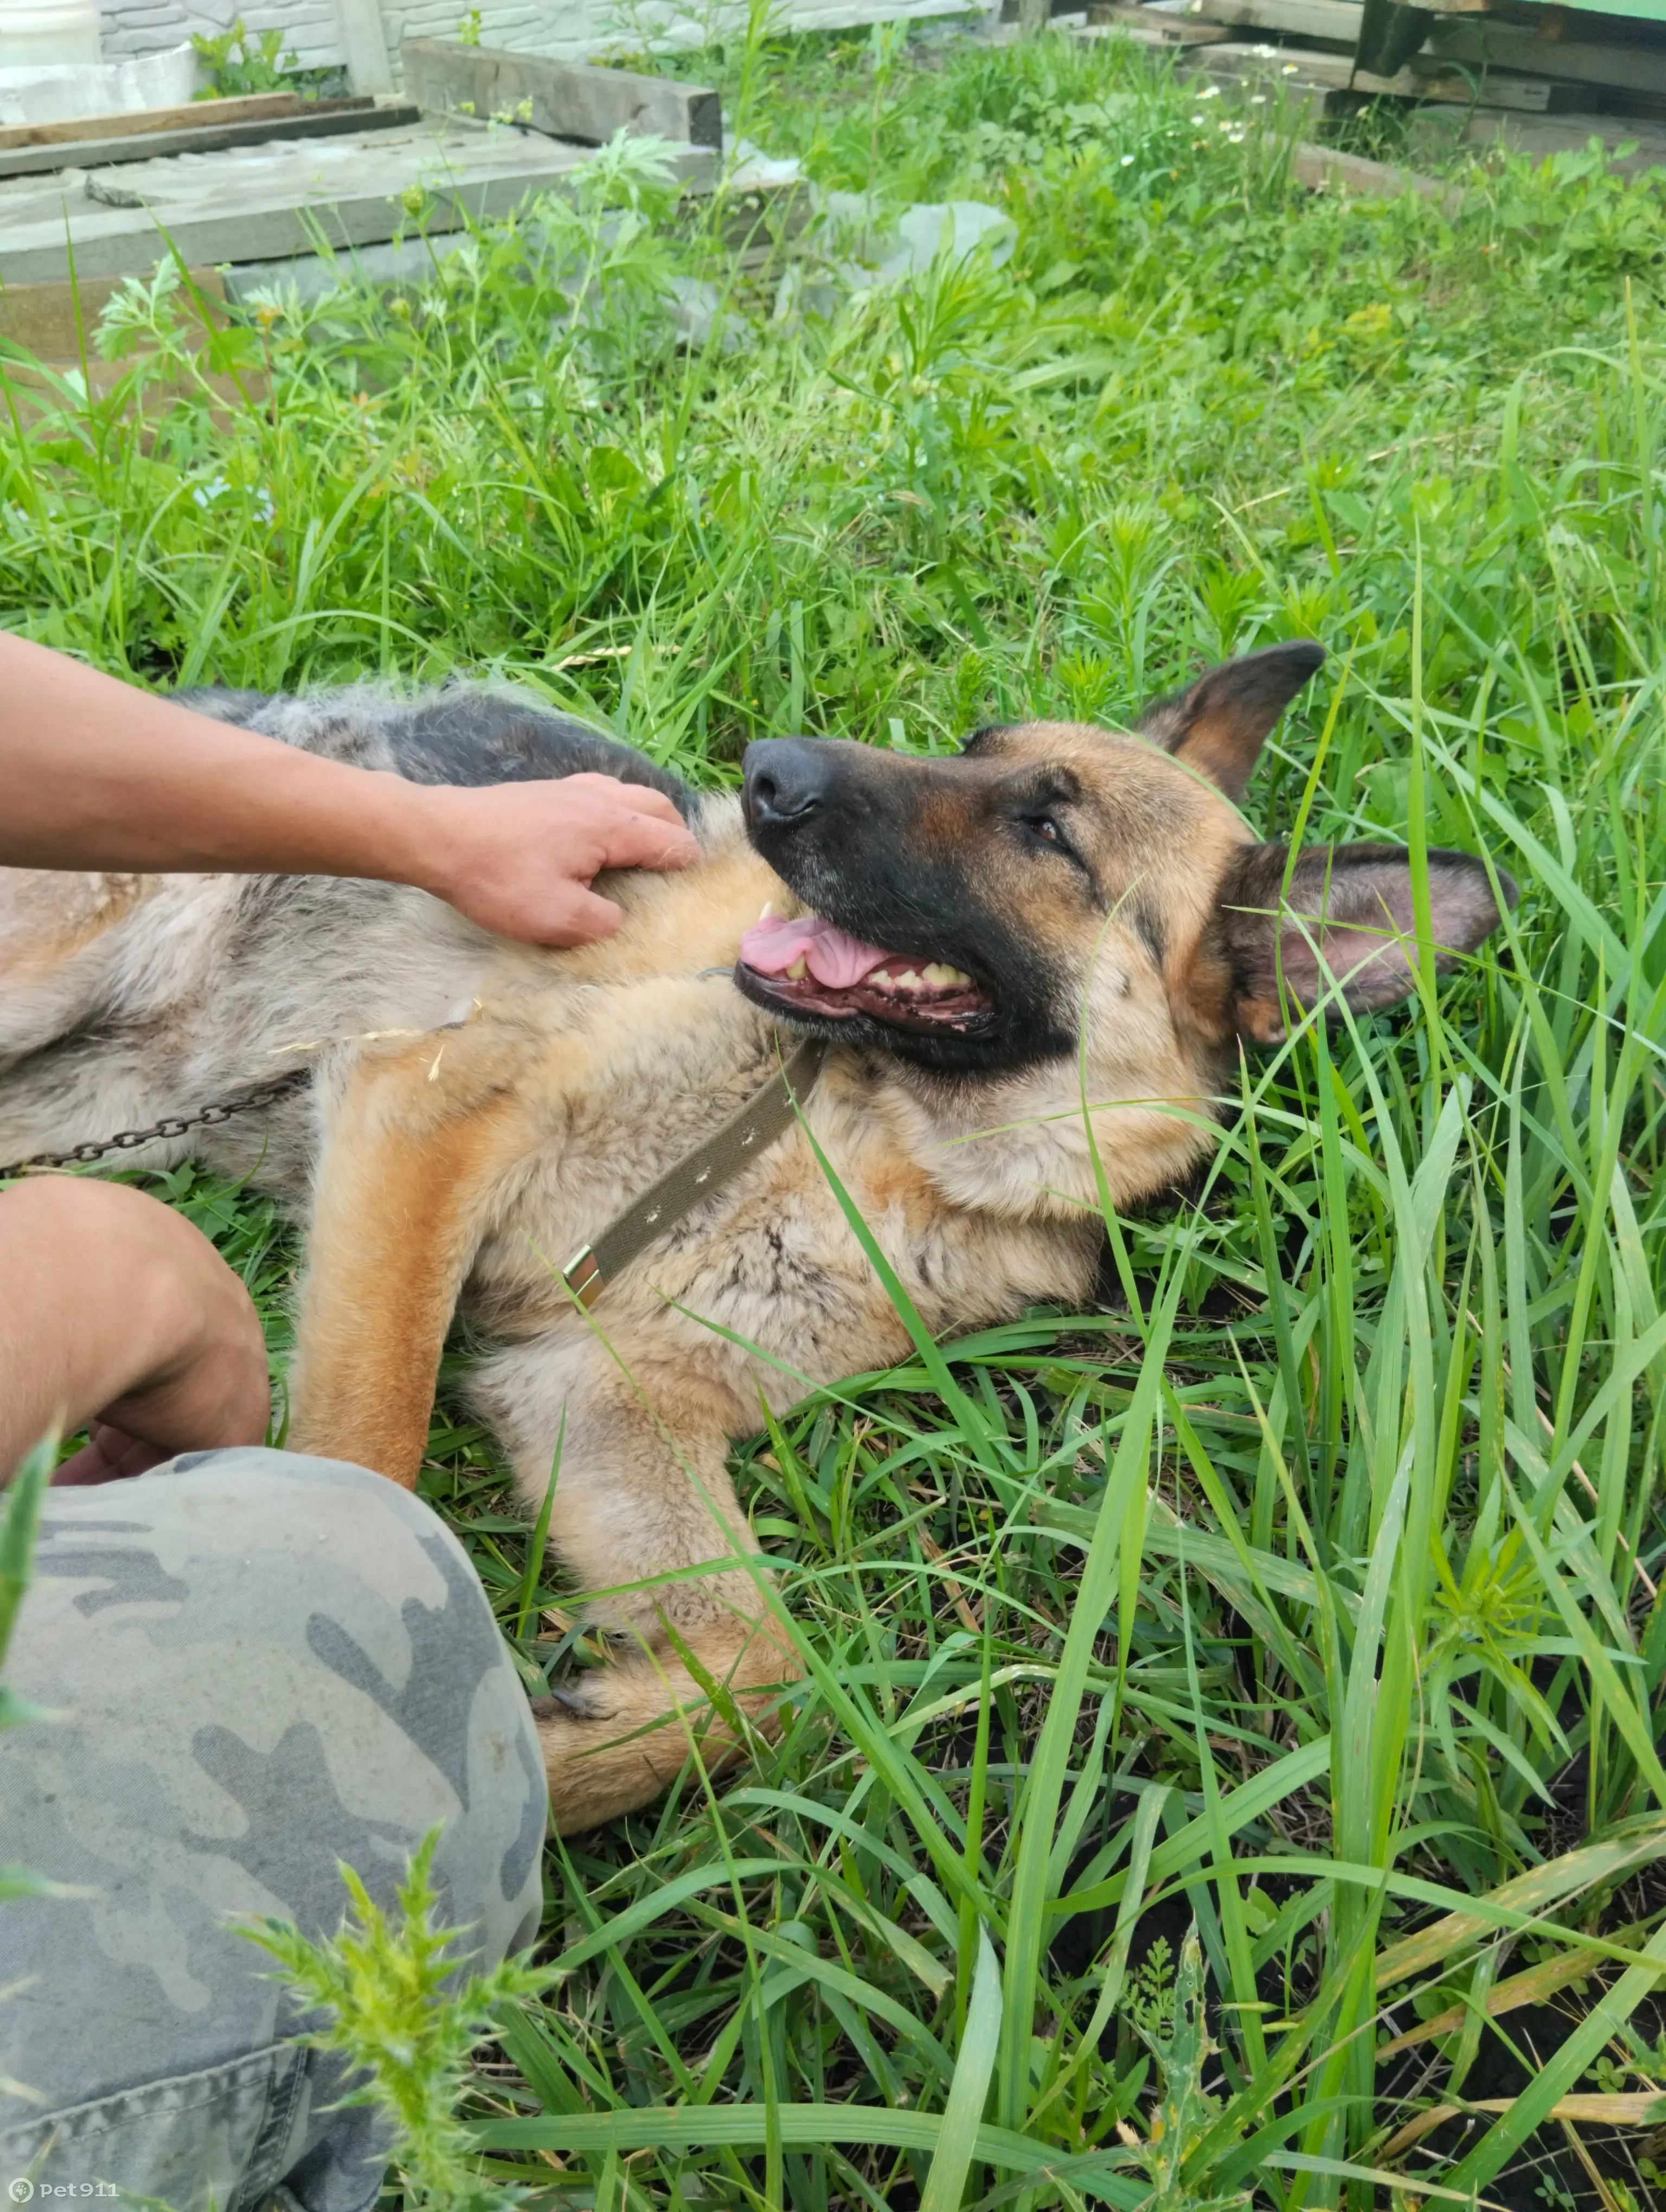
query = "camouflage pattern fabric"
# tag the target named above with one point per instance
(253, 1666)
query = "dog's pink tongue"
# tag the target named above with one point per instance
(833, 958)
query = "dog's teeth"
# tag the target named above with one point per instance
(945, 978)
(884, 978)
(909, 981)
(768, 914)
(798, 971)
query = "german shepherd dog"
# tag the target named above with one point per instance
(1059, 930)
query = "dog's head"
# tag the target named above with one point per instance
(974, 914)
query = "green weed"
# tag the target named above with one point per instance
(18, 1522)
(239, 61)
(385, 1987)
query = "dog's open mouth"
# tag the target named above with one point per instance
(812, 967)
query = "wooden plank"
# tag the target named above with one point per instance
(1141, 35)
(1630, 65)
(42, 318)
(141, 122)
(563, 100)
(1337, 20)
(1299, 71)
(1319, 19)
(1423, 78)
(1648, 10)
(1153, 26)
(1524, 95)
(1440, 129)
(1323, 168)
(1517, 49)
(325, 119)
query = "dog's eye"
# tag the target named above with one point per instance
(1046, 829)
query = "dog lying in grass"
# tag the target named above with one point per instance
(1059, 926)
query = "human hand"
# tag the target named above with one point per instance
(115, 1312)
(108, 1456)
(98, 775)
(519, 858)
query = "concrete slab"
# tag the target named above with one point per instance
(405, 266)
(268, 202)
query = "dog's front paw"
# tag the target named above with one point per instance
(575, 1702)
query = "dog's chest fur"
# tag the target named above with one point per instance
(627, 1055)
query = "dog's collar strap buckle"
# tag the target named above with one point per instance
(699, 1176)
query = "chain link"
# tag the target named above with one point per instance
(173, 1125)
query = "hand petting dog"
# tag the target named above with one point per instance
(519, 858)
(114, 1311)
(99, 775)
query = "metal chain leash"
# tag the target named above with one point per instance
(173, 1125)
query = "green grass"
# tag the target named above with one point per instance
(1306, 1594)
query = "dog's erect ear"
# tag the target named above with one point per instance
(1217, 725)
(1347, 917)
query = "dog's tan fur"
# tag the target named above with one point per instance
(467, 1163)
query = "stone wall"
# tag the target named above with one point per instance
(312, 27)
(570, 28)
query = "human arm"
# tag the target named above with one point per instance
(98, 774)
(115, 1311)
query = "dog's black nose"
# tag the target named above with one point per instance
(786, 779)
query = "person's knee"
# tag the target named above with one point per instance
(321, 1666)
(250, 1670)
(350, 1502)
(438, 1692)
(131, 1316)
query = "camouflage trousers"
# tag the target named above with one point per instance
(253, 1666)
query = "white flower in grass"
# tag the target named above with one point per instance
(1128, 161)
